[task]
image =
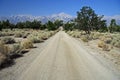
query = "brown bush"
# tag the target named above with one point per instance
(104, 46)
(26, 44)
(4, 52)
(2, 58)
(4, 49)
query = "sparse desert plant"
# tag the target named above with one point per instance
(35, 39)
(25, 35)
(84, 38)
(116, 41)
(44, 36)
(2, 58)
(8, 40)
(76, 34)
(96, 35)
(83, 33)
(18, 34)
(15, 51)
(108, 40)
(4, 51)
(26, 44)
(6, 33)
(104, 46)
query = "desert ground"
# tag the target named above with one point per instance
(62, 57)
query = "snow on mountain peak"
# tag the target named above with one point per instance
(21, 18)
(62, 14)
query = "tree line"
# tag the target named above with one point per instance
(31, 25)
(86, 20)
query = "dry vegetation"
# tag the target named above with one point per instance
(107, 43)
(112, 39)
(13, 43)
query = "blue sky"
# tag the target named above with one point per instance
(48, 7)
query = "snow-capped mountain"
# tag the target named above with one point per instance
(22, 18)
(116, 17)
(61, 16)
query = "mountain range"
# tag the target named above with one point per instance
(61, 16)
(43, 19)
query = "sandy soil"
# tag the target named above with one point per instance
(113, 55)
(62, 58)
(22, 63)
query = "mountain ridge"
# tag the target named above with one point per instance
(60, 16)
(22, 18)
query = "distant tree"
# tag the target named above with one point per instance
(103, 26)
(117, 28)
(112, 25)
(1, 26)
(43, 26)
(84, 18)
(36, 24)
(20, 25)
(69, 26)
(58, 23)
(88, 20)
(50, 25)
(12, 26)
(6, 24)
(28, 24)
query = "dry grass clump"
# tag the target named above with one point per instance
(40, 36)
(106, 39)
(96, 35)
(25, 35)
(21, 34)
(75, 33)
(26, 44)
(8, 40)
(116, 41)
(18, 34)
(6, 33)
(4, 51)
(35, 37)
(15, 51)
(104, 46)
(2, 58)
(85, 38)
(80, 34)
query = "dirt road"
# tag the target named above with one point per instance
(64, 58)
